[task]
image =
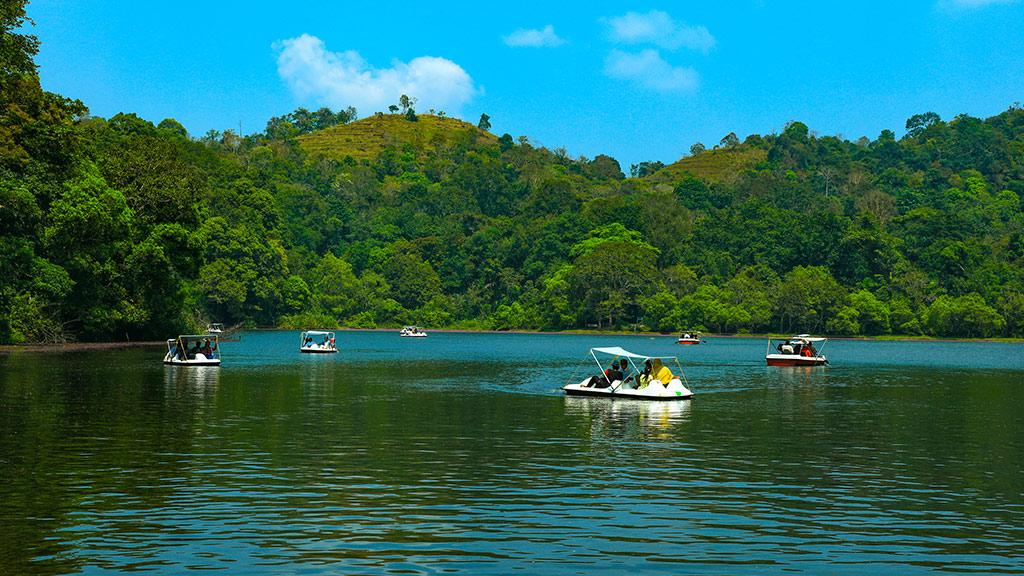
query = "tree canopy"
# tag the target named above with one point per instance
(120, 228)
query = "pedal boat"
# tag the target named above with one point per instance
(178, 353)
(412, 332)
(318, 342)
(632, 385)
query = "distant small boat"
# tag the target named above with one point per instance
(655, 382)
(689, 338)
(797, 350)
(317, 342)
(204, 350)
(412, 332)
(215, 328)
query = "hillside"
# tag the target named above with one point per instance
(712, 165)
(366, 138)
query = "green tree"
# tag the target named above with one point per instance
(611, 277)
(808, 298)
(413, 281)
(967, 316)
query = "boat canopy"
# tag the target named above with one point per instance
(617, 351)
(808, 338)
(312, 333)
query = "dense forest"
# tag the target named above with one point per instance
(123, 228)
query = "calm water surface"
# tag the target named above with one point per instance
(458, 454)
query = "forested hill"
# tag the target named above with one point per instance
(121, 228)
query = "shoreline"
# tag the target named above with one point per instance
(88, 346)
(77, 346)
(706, 335)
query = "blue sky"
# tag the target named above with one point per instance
(636, 81)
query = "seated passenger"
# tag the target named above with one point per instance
(626, 376)
(613, 373)
(660, 372)
(644, 377)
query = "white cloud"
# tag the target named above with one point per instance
(658, 28)
(533, 38)
(340, 79)
(648, 69)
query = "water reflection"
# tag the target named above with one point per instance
(629, 419)
(657, 414)
(199, 380)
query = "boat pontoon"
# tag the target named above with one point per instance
(193, 350)
(317, 342)
(654, 382)
(797, 350)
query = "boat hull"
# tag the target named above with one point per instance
(687, 342)
(207, 362)
(318, 350)
(795, 360)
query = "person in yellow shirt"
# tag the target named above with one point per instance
(660, 372)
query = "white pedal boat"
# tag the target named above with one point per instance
(412, 332)
(656, 383)
(317, 342)
(203, 351)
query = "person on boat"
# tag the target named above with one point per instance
(786, 348)
(644, 377)
(308, 342)
(660, 372)
(613, 373)
(206, 350)
(193, 350)
(333, 345)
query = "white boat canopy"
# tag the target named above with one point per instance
(312, 333)
(617, 351)
(808, 338)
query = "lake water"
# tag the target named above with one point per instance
(458, 454)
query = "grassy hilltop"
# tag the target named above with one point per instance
(712, 165)
(365, 139)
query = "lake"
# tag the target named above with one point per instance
(458, 454)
